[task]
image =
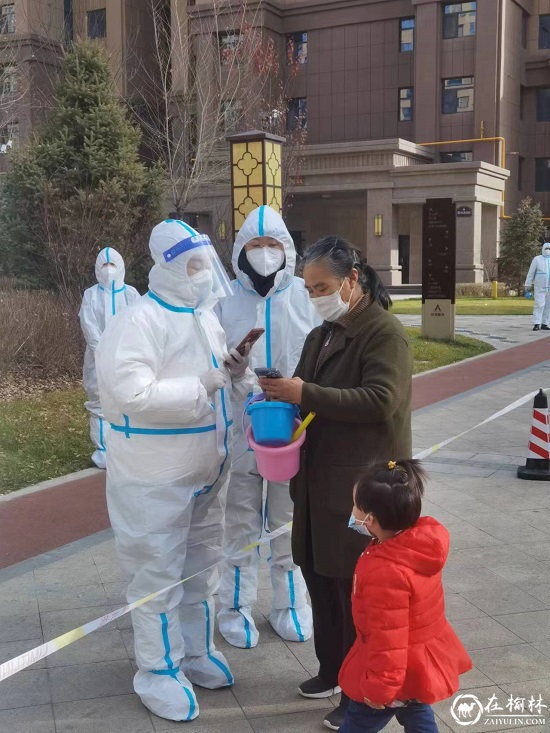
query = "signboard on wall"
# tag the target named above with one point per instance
(438, 268)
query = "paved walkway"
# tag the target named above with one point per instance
(502, 332)
(496, 581)
(81, 503)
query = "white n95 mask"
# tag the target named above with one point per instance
(197, 288)
(266, 260)
(331, 307)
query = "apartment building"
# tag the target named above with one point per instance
(32, 36)
(403, 100)
(407, 100)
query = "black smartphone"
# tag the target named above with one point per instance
(268, 373)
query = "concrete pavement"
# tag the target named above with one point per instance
(502, 332)
(496, 582)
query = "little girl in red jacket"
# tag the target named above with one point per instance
(406, 655)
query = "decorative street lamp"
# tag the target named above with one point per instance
(256, 173)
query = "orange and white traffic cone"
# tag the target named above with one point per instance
(537, 467)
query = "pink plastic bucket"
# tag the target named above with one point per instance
(277, 464)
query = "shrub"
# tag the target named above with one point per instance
(480, 290)
(39, 333)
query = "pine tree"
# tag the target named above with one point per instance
(79, 184)
(520, 242)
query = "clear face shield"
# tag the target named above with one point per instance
(198, 256)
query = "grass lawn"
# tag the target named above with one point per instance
(43, 437)
(473, 307)
(430, 354)
(47, 436)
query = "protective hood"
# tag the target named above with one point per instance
(423, 548)
(265, 222)
(546, 247)
(173, 245)
(103, 274)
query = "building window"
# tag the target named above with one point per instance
(542, 174)
(458, 95)
(544, 31)
(96, 23)
(521, 162)
(231, 113)
(230, 44)
(296, 49)
(7, 19)
(9, 137)
(296, 118)
(524, 18)
(8, 80)
(464, 156)
(459, 19)
(543, 104)
(406, 34)
(405, 104)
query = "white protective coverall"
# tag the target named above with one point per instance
(168, 465)
(287, 316)
(539, 276)
(99, 304)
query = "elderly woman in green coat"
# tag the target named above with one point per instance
(355, 373)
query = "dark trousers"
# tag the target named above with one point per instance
(333, 629)
(414, 717)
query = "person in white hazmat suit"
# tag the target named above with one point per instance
(99, 304)
(267, 295)
(539, 277)
(166, 390)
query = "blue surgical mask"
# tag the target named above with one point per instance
(359, 526)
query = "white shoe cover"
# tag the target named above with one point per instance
(237, 627)
(210, 671)
(292, 624)
(169, 696)
(99, 458)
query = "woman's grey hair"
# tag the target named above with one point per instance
(341, 258)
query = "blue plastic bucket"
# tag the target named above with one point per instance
(272, 422)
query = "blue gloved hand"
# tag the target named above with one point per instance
(528, 294)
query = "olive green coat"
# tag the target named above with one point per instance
(361, 393)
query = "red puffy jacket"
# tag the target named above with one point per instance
(405, 647)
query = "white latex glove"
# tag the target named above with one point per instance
(236, 363)
(213, 380)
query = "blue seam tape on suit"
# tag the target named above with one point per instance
(213, 659)
(293, 613)
(268, 333)
(172, 671)
(164, 304)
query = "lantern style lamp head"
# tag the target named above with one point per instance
(378, 225)
(256, 173)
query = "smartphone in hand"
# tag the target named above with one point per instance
(250, 339)
(268, 373)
